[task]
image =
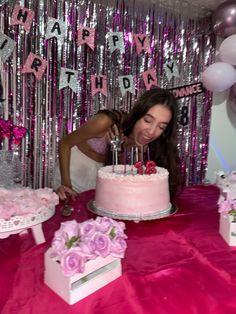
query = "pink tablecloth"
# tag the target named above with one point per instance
(174, 265)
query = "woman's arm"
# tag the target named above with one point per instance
(95, 127)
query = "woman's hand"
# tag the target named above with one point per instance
(114, 131)
(111, 133)
(64, 191)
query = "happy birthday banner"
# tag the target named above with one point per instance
(37, 65)
(187, 90)
(63, 61)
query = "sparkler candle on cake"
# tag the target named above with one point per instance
(116, 144)
(115, 147)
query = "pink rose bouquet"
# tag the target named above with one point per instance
(76, 243)
(228, 207)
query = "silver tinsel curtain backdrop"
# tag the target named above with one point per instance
(47, 111)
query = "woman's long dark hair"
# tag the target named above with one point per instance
(164, 149)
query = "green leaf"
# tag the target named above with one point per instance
(74, 241)
(112, 233)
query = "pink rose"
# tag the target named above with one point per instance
(68, 230)
(102, 244)
(104, 224)
(58, 247)
(233, 203)
(88, 248)
(87, 228)
(73, 261)
(118, 247)
(225, 206)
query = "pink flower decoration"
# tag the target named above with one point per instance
(225, 206)
(233, 204)
(104, 224)
(88, 248)
(19, 132)
(5, 128)
(118, 247)
(68, 230)
(73, 261)
(76, 243)
(102, 244)
(13, 132)
(58, 247)
(87, 228)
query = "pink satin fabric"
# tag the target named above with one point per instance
(175, 265)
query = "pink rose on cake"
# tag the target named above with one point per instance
(76, 243)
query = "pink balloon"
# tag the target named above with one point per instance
(224, 19)
(218, 77)
(227, 50)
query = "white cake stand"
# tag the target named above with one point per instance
(20, 224)
(171, 210)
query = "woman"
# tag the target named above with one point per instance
(152, 122)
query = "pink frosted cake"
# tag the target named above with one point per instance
(132, 196)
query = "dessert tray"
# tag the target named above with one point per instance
(136, 217)
(17, 223)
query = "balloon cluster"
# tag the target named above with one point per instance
(220, 76)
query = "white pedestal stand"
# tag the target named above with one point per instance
(21, 224)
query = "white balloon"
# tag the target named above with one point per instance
(227, 50)
(233, 98)
(218, 77)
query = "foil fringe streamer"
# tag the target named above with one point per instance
(48, 113)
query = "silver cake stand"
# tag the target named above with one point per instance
(134, 217)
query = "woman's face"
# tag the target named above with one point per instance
(151, 125)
